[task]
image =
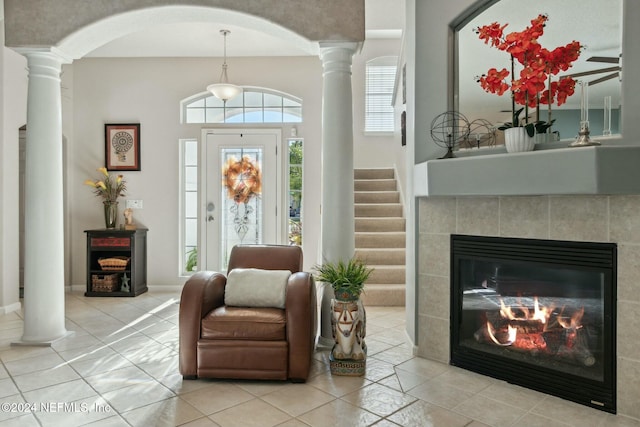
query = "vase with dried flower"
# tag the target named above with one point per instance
(533, 86)
(109, 189)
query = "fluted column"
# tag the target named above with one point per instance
(338, 228)
(44, 320)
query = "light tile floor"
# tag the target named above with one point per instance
(120, 368)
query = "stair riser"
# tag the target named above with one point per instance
(387, 275)
(383, 295)
(375, 185)
(378, 210)
(380, 241)
(380, 224)
(377, 197)
(373, 174)
(382, 256)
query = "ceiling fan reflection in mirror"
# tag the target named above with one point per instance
(613, 72)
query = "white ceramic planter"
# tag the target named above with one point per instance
(516, 140)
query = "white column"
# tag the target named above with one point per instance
(44, 319)
(338, 228)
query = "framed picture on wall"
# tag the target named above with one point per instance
(403, 128)
(122, 146)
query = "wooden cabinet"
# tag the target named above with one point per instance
(125, 247)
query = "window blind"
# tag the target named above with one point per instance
(379, 113)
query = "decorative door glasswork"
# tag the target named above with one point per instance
(242, 212)
(241, 192)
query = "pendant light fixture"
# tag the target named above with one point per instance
(224, 90)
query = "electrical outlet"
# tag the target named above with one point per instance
(134, 204)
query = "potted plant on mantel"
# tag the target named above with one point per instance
(348, 318)
(534, 85)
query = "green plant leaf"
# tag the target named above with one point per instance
(349, 276)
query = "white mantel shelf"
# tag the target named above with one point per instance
(566, 171)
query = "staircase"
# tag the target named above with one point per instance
(380, 236)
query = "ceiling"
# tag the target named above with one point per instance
(384, 19)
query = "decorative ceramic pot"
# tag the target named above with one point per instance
(342, 295)
(516, 140)
(110, 214)
(348, 326)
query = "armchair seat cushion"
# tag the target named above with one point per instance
(244, 323)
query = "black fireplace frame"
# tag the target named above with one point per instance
(550, 253)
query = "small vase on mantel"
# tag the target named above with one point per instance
(517, 140)
(110, 214)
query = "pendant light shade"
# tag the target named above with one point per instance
(224, 90)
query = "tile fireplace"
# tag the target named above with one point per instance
(537, 313)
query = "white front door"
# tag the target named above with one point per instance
(241, 195)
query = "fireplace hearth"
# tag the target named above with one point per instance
(537, 313)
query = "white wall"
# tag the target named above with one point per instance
(149, 91)
(371, 151)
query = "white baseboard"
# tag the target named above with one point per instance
(157, 288)
(16, 306)
(166, 288)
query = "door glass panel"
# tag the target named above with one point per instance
(242, 207)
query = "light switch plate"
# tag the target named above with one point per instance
(134, 204)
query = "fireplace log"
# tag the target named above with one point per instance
(584, 356)
(579, 353)
(527, 326)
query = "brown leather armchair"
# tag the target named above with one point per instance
(218, 341)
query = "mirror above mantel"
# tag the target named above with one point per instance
(596, 24)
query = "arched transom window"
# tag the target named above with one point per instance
(254, 105)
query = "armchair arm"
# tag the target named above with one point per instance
(203, 292)
(301, 313)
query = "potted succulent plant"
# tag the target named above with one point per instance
(346, 278)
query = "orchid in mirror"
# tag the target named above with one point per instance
(532, 67)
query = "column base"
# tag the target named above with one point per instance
(325, 343)
(43, 343)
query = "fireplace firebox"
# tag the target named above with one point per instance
(537, 313)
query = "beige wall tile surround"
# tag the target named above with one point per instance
(437, 215)
(436, 250)
(574, 218)
(629, 272)
(629, 334)
(526, 217)
(628, 386)
(433, 338)
(478, 215)
(582, 218)
(625, 226)
(434, 295)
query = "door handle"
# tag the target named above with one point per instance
(210, 218)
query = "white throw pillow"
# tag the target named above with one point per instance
(252, 287)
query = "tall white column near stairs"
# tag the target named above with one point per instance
(337, 233)
(44, 320)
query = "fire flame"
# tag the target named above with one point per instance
(523, 316)
(574, 322)
(512, 332)
(541, 314)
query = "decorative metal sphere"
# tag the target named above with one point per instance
(482, 133)
(449, 129)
